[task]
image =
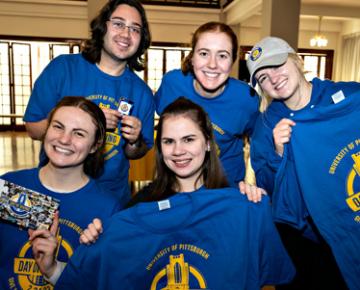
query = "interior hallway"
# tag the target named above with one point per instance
(17, 151)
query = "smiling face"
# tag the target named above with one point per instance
(183, 147)
(212, 62)
(69, 138)
(282, 82)
(121, 43)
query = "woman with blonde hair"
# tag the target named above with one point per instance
(293, 146)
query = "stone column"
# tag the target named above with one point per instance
(281, 18)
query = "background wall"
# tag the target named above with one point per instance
(69, 19)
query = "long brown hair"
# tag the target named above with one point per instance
(212, 26)
(165, 182)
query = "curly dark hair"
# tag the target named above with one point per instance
(92, 47)
(212, 26)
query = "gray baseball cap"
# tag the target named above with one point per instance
(270, 51)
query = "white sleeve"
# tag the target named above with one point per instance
(58, 270)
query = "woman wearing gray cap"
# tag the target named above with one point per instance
(296, 158)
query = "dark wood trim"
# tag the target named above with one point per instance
(329, 58)
(214, 4)
(170, 44)
(17, 128)
(40, 38)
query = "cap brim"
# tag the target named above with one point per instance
(274, 60)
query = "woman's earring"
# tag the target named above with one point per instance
(208, 148)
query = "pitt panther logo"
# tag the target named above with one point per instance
(352, 184)
(178, 273)
(255, 53)
(27, 271)
(20, 205)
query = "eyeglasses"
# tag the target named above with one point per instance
(119, 26)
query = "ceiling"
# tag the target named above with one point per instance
(216, 3)
(186, 3)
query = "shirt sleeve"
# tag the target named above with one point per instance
(46, 92)
(78, 270)
(264, 159)
(146, 115)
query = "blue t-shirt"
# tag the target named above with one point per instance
(264, 159)
(232, 113)
(73, 75)
(18, 269)
(325, 147)
(207, 239)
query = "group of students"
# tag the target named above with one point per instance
(190, 228)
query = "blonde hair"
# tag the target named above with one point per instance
(265, 99)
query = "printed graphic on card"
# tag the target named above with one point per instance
(125, 106)
(25, 207)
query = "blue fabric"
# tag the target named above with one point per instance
(286, 179)
(72, 75)
(18, 269)
(264, 159)
(219, 238)
(232, 113)
(267, 163)
(328, 169)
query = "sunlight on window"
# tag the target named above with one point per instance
(155, 68)
(173, 59)
(59, 49)
(4, 83)
(322, 67)
(311, 67)
(22, 73)
(28, 60)
(40, 57)
(162, 59)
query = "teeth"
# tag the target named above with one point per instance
(181, 161)
(62, 150)
(123, 44)
(211, 75)
(280, 85)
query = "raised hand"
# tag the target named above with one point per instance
(44, 246)
(252, 192)
(282, 134)
(92, 232)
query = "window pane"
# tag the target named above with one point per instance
(76, 49)
(22, 84)
(173, 59)
(59, 49)
(28, 60)
(40, 57)
(322, 67)
(4, 82)
(140, 74)
(311, 66)
(155, 68)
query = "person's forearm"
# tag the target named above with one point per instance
(36, 130)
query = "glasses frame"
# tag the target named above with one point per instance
(120, 26)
